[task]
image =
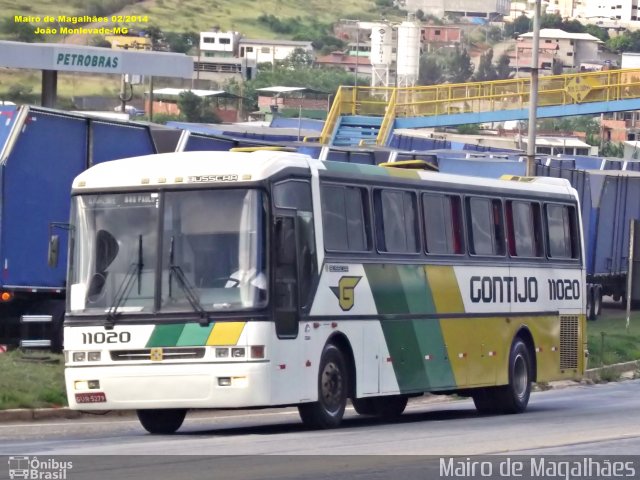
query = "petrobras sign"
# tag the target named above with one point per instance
(77, 60)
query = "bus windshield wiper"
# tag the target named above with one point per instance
(188, 289)
(123, 289)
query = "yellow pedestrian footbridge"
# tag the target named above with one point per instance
(368, 115)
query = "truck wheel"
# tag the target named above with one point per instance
(162, 421)
(597, 300)
(591, 311)
(333, 385)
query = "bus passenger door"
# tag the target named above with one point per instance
(286, 278)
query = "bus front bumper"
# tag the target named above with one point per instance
(203, 385)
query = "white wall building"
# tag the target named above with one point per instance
(219, 44)
(490, 9)
(262, 51)
(623, 10)
(572, 48)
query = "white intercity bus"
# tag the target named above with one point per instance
(240, 280)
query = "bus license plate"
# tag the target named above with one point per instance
(94, 397)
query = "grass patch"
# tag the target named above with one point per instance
(27, 383)
(617, 344)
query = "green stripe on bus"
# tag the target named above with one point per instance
(386, 288)
(416, 289)
(194, 335)
(434, 353)
(165, 335)
(406, 357)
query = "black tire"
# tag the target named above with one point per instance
(333, 387)
(513, 397)
(591, 311)
(364, 406)
(597, 300)
(390, 407)
(387, 408)
(485, 399)
(162, 421)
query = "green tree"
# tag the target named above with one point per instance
(597, 32)
(457, 66)
(431, 71)
(520, 25)
(550, 20)
(486, 71)
(21, 32)
(610, 149)
(299, 58)
(181, 42)
(196, 109)
(503, 70)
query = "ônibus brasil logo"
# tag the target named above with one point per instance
(33, 468)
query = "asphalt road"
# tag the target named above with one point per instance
(581, 420)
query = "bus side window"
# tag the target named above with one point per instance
(562, 231)
(487, 226)
(523, 225)
(443, 224)
(344, 218)
(396, 221)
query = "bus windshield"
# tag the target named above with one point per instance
(178, 251)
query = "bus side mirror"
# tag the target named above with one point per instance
(54, 250)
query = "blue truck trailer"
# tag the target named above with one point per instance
(41, 151)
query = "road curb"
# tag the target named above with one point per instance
(29, 414)
(615, 369)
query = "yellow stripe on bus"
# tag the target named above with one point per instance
(225, 333)
(444, 288)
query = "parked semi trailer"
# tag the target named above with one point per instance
(41, 151)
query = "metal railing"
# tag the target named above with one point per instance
(479, 97)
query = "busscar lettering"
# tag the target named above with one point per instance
(505, 289)
(213, 178)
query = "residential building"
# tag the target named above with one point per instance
(440, 35)
(221, 69)
(219, 44)
(490, 9)
(570, 48)
(350, 63)
(129, 42)
(623, 10)
(262, 51)
(521, 57)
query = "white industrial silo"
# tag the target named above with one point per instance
(408, 56)
(381, 53)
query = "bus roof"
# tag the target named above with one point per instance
(213, 167)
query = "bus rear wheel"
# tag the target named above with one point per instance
(162, 421)
(333, 386)
(513, 397)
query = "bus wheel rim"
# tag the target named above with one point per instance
(520, 376)
(331, 386)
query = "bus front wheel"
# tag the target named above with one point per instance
(387, 408)
(333, 386)
(162, 421)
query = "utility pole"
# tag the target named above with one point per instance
(533, 93)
